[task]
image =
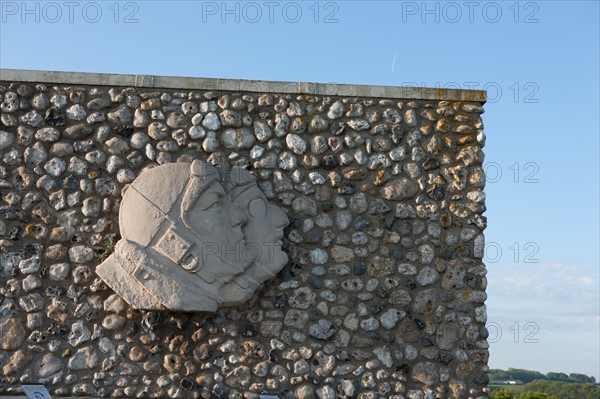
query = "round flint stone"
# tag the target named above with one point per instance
(323, 330)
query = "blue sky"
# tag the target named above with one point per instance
(538, 60)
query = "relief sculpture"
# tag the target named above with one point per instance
(194, 238)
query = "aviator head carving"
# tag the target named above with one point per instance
(185, 243)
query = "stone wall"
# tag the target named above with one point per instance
(383, 295)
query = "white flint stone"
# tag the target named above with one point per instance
(326, 392)
(196, 132)
(140, 118)
(296, 143)
(389, 318)
(77, 166)
(336, 110)
(384, 355)
(59, 271)
(47, 134)
(31, 282)
(55, 167)
(114, 304)
(358, 124)
(125, 176)
(316, 178)
(34, 155)
(58, 100)
(407, 269)
(287, 161)
(427, 276)
(318, 256)
(238, 139)
(197, 119)
(210, 143)
(33, 118)
(81, 254)
(6, 139)
(262, 131)
(113, 163)
(117, 145)
(79, 334)
(479, 246)
(150, 152)
(76, 112)
(211, 121)
(39, 101)
(256, 152)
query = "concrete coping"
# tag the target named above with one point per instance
(258, 86)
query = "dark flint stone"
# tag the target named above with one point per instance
(377, 307)
(329, 162)
(83, 146)
(436, 193)
(472, 282)
(410, 283)
(313, 237)
(54, 118)
(426, 341)
(481, 379)
(220, 392)
(295, 222)
(466, 345)
(431, 163)
(346, 188)
(343, 355)
(388, 222)
(484, 332)
(361, 222)
(281, 300)
(32, 249)
(124, 131)
(397, 133)
(57, 329)
(186, 384)
(92, 316)
(249, 331)
(397, 253)
(337, 128)
(314, 282)
(70, 182)
(327, 207)
(445, 358)
(55, 291)
(403, 368)
(295, 270)
(135, 159)
(14, 233)
(420, 324)
(132, 329)
(446, 296)
(360, 267)
(445, 252)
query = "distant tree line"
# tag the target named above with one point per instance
(530, 375)
(540, 386)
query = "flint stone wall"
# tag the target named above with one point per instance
(383, 295)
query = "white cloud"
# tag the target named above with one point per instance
(556, 296)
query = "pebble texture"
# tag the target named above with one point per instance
(383, 294)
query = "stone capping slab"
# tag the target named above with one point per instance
(189, 83)
(56, 397)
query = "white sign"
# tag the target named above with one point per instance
(36, 391)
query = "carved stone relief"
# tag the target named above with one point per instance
(194, 238)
